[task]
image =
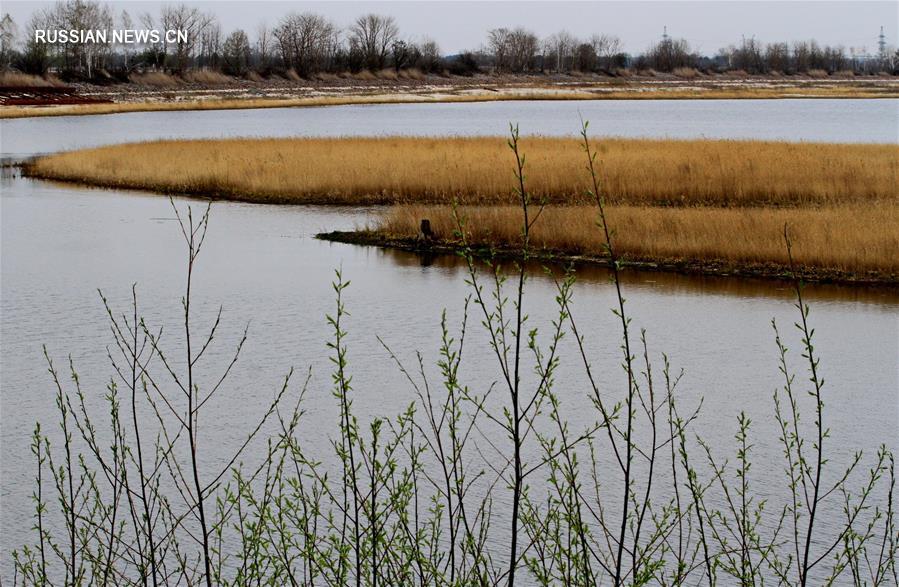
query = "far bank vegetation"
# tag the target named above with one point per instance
(306, 45)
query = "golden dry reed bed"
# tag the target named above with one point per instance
(852, 239)
(847, 90)
(360, 171)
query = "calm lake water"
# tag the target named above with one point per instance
(855, 121)
(59, 244)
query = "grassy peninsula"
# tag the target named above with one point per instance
(696, 203)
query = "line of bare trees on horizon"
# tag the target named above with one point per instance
(305, 45)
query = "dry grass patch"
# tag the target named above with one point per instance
(156, 79)
(686, 72)
(411, 73)
(17, 79)
(208, 77)
(854, 239)
(477, 170)
(364, 75)
(387, 73)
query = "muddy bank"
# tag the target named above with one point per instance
(242, 93)
(278, 87)
(710, 267)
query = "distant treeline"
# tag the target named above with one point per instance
(305, 45)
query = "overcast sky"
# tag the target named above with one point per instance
(457, 26)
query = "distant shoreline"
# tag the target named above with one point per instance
(244, 94)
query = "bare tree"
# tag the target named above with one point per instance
(748, 56)
(36, 55)
(403, 54)
(777, 57)
(808, 56)
(193, 23)
(523, 48)
(126, 50)
(500, 46)
(307, 42)
(513, 50)
(263, 46)
(834, 58)
(558, 51)
(429, 56)
(585, 58)
(154, 51)
(606, 47)
(83, 56)
(9, 32)
(373, 35)
(669, 54)
(210, 44)
(236, 53)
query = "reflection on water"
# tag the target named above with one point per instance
(674, 283)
